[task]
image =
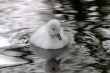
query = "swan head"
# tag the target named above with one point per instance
(53, 28)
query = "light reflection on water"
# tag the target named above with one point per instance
(19, 14)
(4, 42)
(16, 15)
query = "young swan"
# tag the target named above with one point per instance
(49, 41)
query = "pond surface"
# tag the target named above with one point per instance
(18, 17)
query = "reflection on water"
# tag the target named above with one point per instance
(22, 17)
(4, 42)
(18, 17)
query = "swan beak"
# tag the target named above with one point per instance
(59, 36)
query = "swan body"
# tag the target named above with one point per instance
(49, 41)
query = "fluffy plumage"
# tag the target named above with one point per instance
(49, 41)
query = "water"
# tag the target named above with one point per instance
(17, 18)
(22, 17)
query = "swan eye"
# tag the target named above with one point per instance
(53, 28)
